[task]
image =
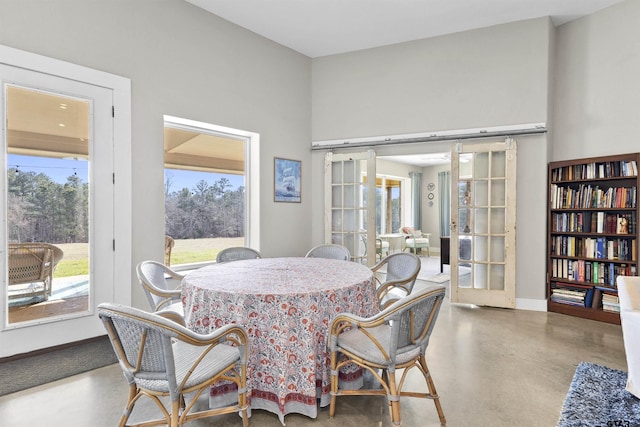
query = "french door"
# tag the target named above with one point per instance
(350, 195)
(483, 209)
(58, 188)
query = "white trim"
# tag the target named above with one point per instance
(434, 136)
(120, 88)
(251, 171)
(531, 304)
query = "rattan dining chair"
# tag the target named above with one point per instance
(160, 358)
(163, 298)
(395, 338)
(237, 253)
(329, 251)
(400, 272)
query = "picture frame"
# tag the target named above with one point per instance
(287, 180)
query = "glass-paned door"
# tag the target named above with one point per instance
(349, 217)
(58, 206)
(483, 224)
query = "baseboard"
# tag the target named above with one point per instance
(531, 304)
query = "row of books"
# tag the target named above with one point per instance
(594, 222)
(577, 297)
(586, 196)
(593, 298)
(594, 247)
(611, 303)
(596, 272)
(595, 170)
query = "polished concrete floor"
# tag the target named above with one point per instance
(492, 367)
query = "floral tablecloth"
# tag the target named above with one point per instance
(286, 306)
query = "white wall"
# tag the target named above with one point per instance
(597, 77)
(184, 62)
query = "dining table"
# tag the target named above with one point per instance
(286, 306)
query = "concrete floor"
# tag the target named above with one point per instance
(492, 367)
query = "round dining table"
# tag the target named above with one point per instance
(286, 305)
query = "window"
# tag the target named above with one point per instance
(207, 202)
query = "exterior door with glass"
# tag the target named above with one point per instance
(57, 141)
(483, 207)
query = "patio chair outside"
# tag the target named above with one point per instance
(237, 253)
(401, 270)
(169, 243)
(329, 251)
(160, 358)
(163, 298)
(33, 263)
(395, 338)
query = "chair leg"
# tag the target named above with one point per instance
(175, 413)
(432, 390)
(394, 399)
(334, 384)
(131, 401)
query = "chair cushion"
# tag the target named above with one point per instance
(357, 343)
(411, 242)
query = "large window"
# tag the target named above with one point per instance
(206, 197)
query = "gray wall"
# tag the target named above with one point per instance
(488, 77)
(581, 79)
(187, 63)
(597, 97)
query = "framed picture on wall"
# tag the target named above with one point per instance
(287, 175)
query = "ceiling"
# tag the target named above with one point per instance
(318, 28)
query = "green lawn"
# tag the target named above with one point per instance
(76, 262)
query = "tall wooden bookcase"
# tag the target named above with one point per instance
(592, 234)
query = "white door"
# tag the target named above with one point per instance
(349, 218)
(29, 99)
(483, 206)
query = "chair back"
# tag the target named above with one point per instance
(329, 251)
(402, 267)
(32, 262)
(169, 243)
(416, 317)
(142, 343)
(237, 253)
(152, 276)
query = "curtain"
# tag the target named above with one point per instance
(444, 196)
(416, 199)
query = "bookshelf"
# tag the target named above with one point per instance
(592, 234)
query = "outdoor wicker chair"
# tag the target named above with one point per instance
(33, 263)
(160, 358)
(164, 299)
(329, 251)
(169, 243)
(401, 270)
(237, 253)
(395, 338)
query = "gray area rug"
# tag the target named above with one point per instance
(31, 371)
(597, 398)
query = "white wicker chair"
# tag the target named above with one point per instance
(329, 251)
(400, 272)
(162, 358)
(169, 243)
(395, 338)
(629, 294)
(163, 298)
(33, 263)
(237, 253)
